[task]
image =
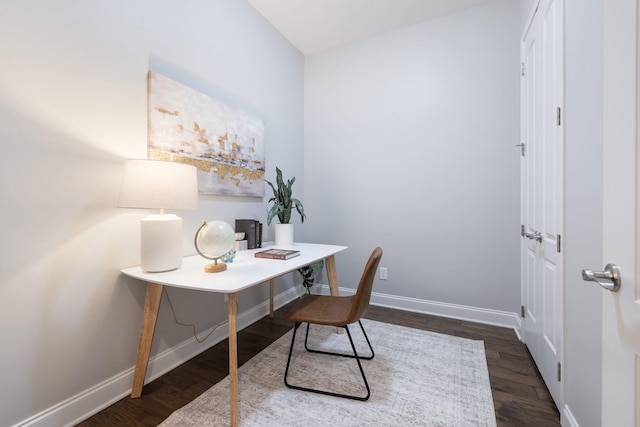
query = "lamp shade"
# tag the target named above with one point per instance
(156, 184)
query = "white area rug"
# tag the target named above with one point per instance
(417, 378)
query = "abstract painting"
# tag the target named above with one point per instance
(225, 144)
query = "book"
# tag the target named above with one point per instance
(277, 254)
(258, 234)
(248, 227)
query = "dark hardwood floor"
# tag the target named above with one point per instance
(519, 394)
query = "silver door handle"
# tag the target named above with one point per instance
(537, 236)
(609, 278)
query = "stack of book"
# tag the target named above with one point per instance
(252, 230)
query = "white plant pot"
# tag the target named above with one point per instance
(284, 234)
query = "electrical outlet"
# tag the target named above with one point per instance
(383, 273)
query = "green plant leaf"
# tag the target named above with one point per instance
(282, 201)
(299, 208)
(273, 212)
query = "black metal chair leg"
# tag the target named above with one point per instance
(286, 371)
(354, 356)
(306, 346)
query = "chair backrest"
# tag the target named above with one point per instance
(363, 293)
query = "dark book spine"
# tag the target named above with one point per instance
(258, 234)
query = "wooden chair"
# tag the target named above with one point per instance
(336, 311)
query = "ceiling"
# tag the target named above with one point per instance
(315, 26)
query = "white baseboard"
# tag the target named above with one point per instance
(568, 420)
(454, 311)
(95, 399)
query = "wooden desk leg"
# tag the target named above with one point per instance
(271, 291)
(332, 276)
(149, 317)
(233, 361)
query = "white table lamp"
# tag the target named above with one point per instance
(155, 184)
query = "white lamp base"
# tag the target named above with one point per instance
(160, 243)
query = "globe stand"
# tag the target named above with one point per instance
(215, 267)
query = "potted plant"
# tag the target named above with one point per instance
(283, 204)
(309, 274)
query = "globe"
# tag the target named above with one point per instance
(214, 239)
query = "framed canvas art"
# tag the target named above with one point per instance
(225, 144)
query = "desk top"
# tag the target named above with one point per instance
(244, 272)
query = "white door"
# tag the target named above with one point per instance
(621, 310)
(542, 191)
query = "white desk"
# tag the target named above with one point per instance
(244, 272)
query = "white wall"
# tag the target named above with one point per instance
(583, 209)
(72, 108)
(409, 144)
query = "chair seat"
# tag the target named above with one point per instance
(322, 310)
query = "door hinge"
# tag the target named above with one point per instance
(558, 243)
(559, 371)
(559, 116)
(522, 69)
(522, 311)
(521, 230)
